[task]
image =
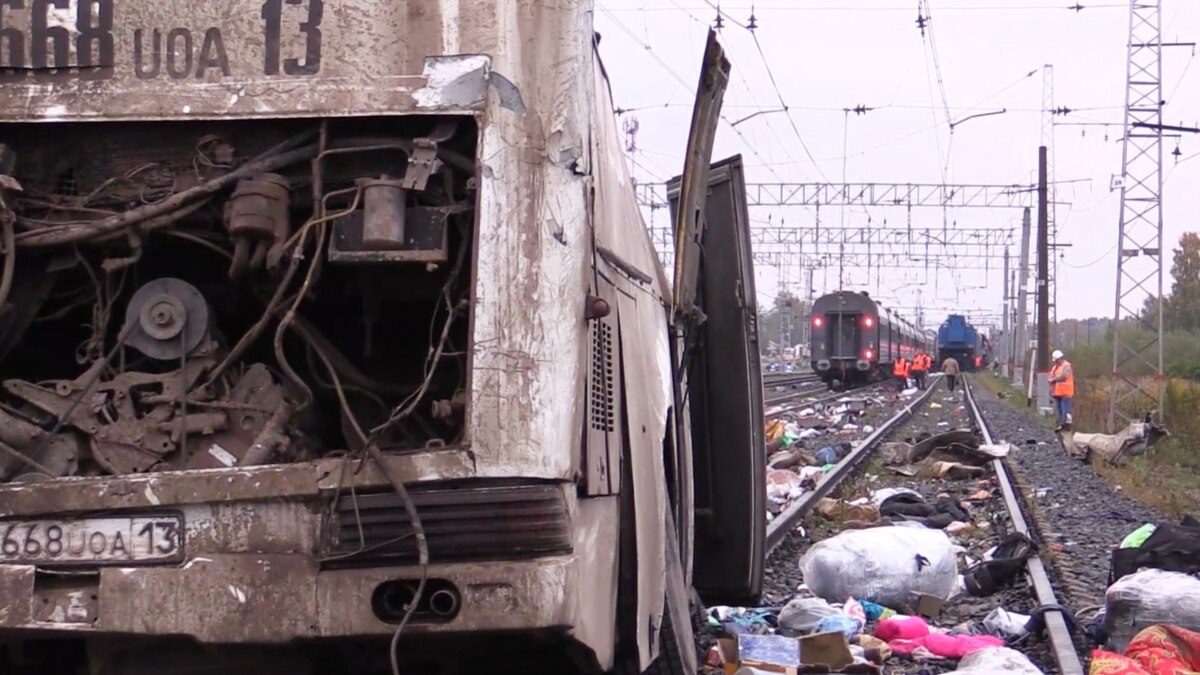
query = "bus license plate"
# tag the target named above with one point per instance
(93, 541)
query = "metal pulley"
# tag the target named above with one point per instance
(169, 319)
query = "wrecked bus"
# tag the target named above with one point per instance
(332, 340)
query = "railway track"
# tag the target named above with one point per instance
(1059, 637)
(789, 379)
(1062, 653)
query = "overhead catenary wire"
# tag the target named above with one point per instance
(671, 71)
(1055, 6)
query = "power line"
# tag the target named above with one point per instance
(839, 109)
(1057, 6)
(792, 122)
(671, 71)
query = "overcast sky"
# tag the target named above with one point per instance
(827, 55)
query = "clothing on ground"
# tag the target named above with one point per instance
(1157, 650)
(946, 646)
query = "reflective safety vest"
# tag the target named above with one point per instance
(900, 368)
(921, 363)
(978, 361)
(1065, 388)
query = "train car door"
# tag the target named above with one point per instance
(718, 377)
(844, 335)
(724, 391)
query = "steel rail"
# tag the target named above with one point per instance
(783, 398)
(1061, 644)
(806, 402)
(784, 379)
(781, 526)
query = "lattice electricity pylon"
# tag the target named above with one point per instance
(1139, 255)
(893, 261)
(1048, 141)
(654, 195)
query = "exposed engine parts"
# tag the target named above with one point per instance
(140, 421)
(257, 218)
(270, 298)
(167, 319)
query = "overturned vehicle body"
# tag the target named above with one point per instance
(320, 324)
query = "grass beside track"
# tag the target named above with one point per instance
(1167, 478)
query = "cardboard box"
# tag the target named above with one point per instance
(825, 652)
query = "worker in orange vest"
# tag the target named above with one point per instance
(900, 372)
(978, 362)
(920, 366)
(1062, 388)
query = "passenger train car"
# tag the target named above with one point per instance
(855, 339)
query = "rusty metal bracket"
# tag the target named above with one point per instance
(423, 161)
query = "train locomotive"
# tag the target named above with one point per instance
(957, 338)
(855, 339)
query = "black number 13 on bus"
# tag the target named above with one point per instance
(76, 39)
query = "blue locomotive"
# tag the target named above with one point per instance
(957, 338)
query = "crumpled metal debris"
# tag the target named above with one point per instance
(1133, 440)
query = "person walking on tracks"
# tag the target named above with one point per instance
(1062, 388)
(950, 368)
(920, 366)
(900, 372)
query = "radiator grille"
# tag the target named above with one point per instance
(600, 397)
(461, 524)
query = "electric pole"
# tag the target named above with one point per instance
(1006, 338)
(1048, 141)
(1022, 342)
(1043, 284)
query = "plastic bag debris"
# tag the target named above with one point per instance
(1146, 598)
(885, 565)
(995, 450)
(829, 454)
(840, 623)
(803, 614)
(996, 660)
(1006, 624)
(781, 483)
(1139, 536)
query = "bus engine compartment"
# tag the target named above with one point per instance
(204, 295)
